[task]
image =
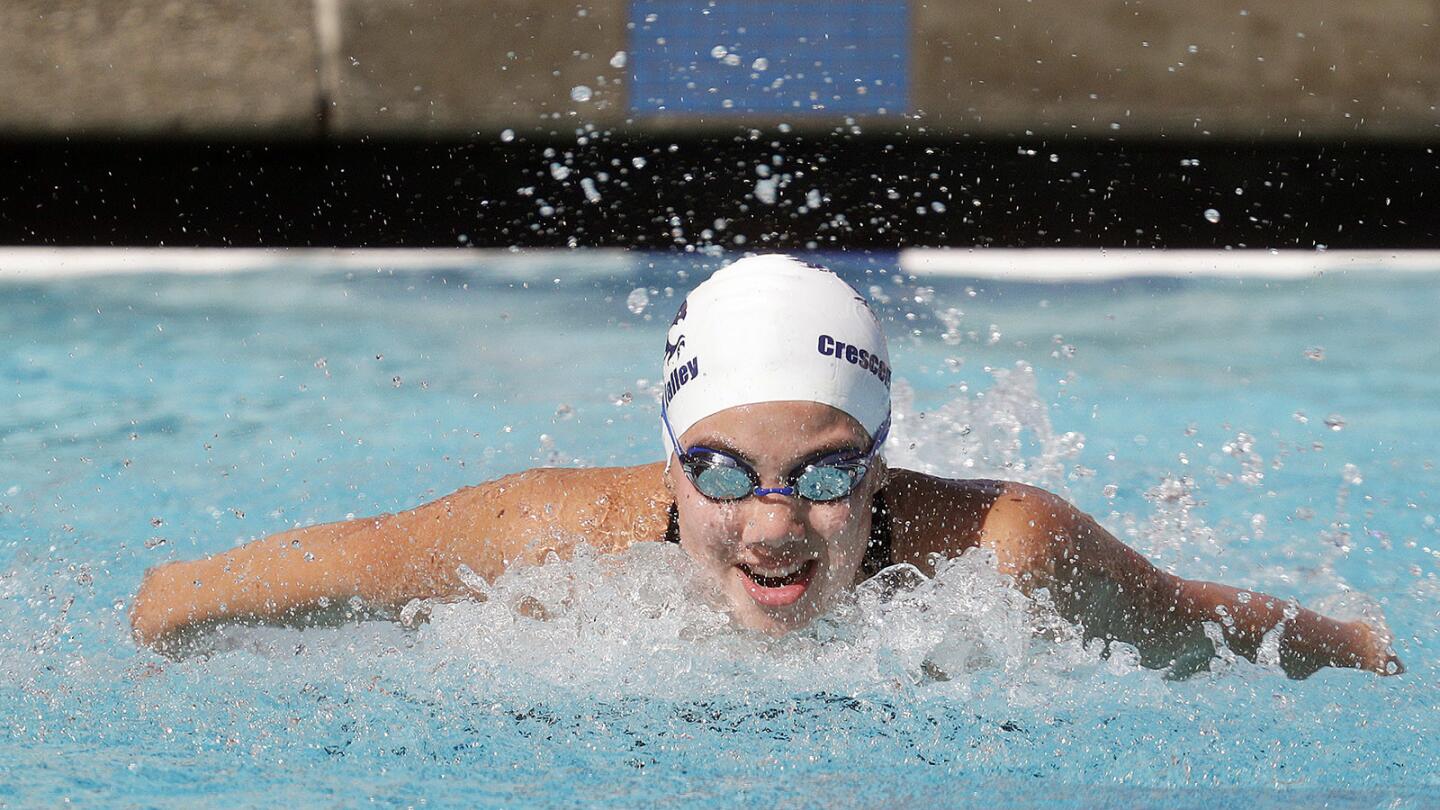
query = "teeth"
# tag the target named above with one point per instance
(776, 579)
(775, 574)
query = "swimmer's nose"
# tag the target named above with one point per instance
(774, 520)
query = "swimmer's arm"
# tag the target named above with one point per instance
(1116, 594)
(384, 562)
(288, 578)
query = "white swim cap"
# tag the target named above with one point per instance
(773, 328)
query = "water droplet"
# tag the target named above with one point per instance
(619, 60)
(564, 412)
(760, 64)
(1110, 490)
(1316, 353)
(507, 135)
(559, 171)
(624, 399)
(155, 542)
(719, 51)
(580, 93)
(1335, 422)
(765, 190)
(592, 194)
(637, 300)
(637, 162)
(1211, 215)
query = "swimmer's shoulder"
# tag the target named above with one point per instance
(611, 507)
(933, 517)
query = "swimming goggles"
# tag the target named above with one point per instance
(829, 476)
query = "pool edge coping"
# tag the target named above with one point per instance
(1044, 265)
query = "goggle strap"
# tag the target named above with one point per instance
(670, 431)
(881, 434)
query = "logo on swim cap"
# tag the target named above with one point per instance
(850, 353)
(771, 329)
(675, 339)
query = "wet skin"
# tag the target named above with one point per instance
(777, 561)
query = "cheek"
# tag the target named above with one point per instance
(707, 531)
(844, 528)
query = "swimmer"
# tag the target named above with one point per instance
(774, 413)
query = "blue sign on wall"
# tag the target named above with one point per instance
(848, 57)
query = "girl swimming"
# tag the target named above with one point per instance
(775, 409)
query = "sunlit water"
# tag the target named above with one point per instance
(1274, 435)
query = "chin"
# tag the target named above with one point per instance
(769, 625)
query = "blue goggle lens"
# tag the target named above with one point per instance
(720, 481)
(828, 483)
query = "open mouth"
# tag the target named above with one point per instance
(778, 588)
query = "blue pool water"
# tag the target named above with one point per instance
(1279, 435)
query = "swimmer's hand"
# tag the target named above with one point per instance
(1374, 650)
(152, 622)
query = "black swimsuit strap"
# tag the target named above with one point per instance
(672, 525)
(877, 553)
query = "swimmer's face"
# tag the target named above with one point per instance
(779, 560)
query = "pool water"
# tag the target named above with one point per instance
(1273, 434)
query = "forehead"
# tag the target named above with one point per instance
(778, 429)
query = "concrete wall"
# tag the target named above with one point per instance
(348, 68)
(221, 67)
(461, 66)
(1232, 68)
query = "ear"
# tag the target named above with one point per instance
(665, 476)
(881, 473)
